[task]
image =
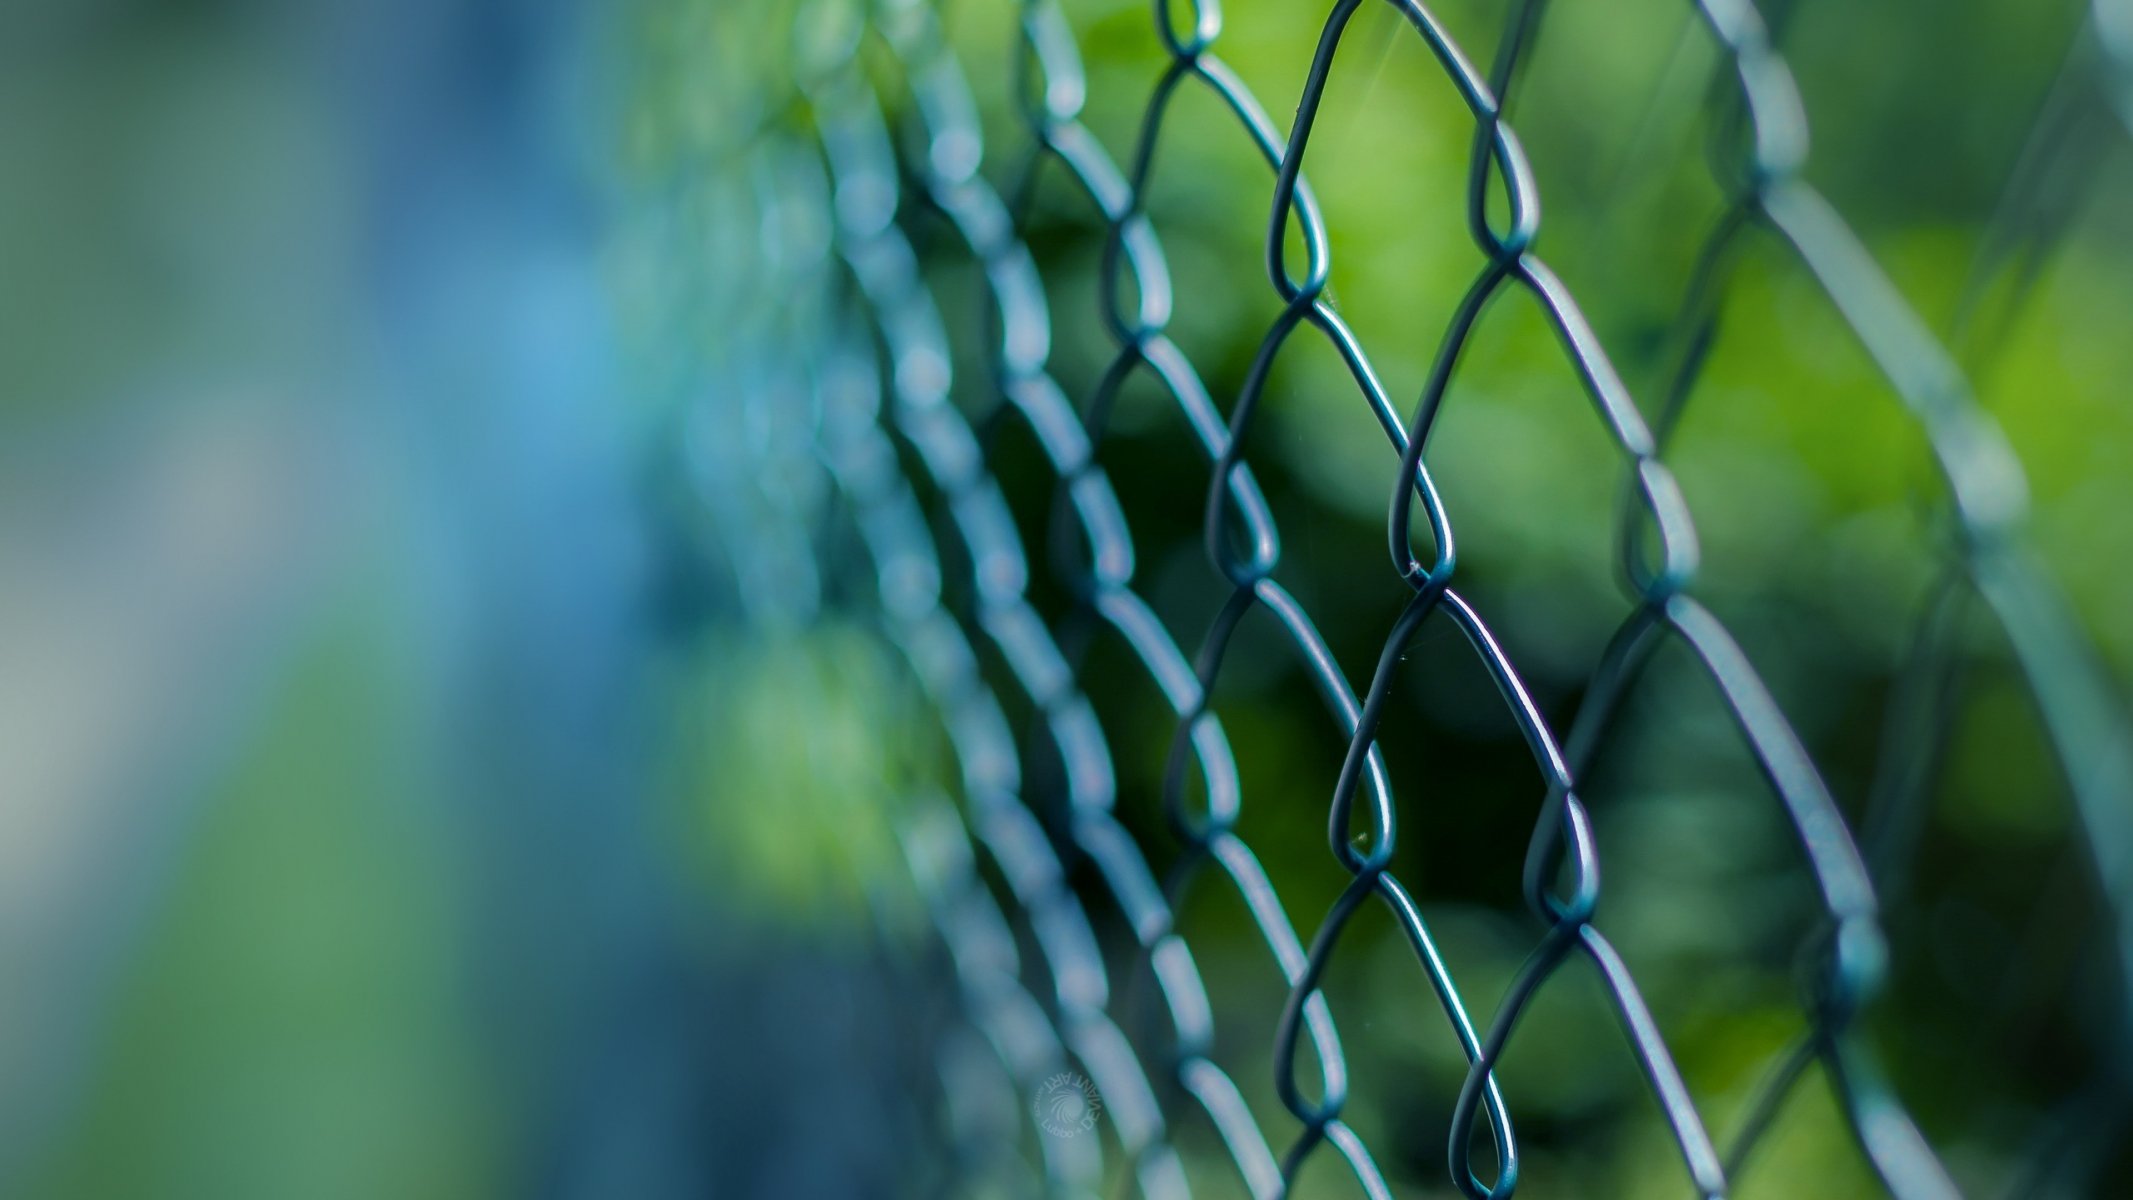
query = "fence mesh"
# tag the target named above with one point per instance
(869, 425)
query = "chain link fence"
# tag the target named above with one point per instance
(890, 330)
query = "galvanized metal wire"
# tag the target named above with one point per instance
(877, 397)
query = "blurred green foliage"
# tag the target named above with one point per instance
(791, 756)
(294, 1021)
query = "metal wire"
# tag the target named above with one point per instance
(884, 380)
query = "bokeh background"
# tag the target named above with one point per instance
(426, 770)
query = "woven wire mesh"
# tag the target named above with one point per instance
(868, 426)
